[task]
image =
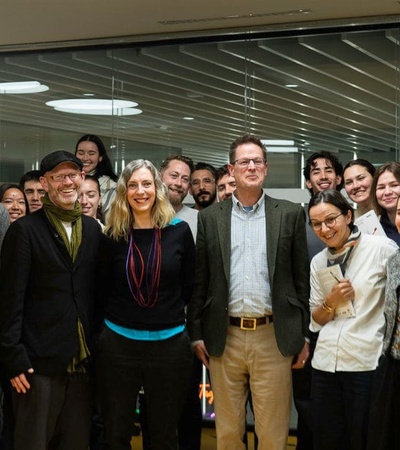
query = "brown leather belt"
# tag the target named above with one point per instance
(247, 323)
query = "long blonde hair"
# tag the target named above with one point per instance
(120, 218)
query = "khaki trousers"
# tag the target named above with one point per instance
(251, 360)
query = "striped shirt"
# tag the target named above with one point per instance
(250, 290)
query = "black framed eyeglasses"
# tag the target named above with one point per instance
(329, 222)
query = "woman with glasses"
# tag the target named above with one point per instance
(348, 281)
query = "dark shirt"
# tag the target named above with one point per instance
(176, 279)
(314, 243)
(390, 229)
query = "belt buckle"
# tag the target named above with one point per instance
(248, 324)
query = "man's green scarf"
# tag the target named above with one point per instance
(57, 215)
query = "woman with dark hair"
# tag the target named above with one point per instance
(148, 270)
(358, 176)
(14, 199)
(347, 294)
(90, 199)
(16, 204)
(385, 190)
(92, 152)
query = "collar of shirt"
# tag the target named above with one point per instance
(242, 209)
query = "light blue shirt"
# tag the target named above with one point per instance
(249, 287)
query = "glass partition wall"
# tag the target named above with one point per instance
(334, 91)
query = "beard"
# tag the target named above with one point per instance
(176, 199)
(205, 199)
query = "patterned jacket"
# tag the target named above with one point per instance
(391, 342)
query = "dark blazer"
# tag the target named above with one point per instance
(41, 294)
(288, 272)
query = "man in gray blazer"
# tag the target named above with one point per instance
(249, 313)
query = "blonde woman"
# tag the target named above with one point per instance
(148, 263)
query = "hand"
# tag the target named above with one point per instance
(20, 383)
(201, 352)
(302, 357)
(341, 293)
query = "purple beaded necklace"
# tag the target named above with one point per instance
(138, 272)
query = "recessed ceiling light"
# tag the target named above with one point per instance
(276, 142)
(188, 118)
(279, 145)
(98, 107)
(23, 87)
(291, 85)
(281, 149)
(88, 95)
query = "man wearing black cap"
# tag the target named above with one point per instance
(47, 279)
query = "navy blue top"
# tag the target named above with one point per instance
(390, 229)
(176, 279)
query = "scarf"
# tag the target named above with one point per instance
(341, 256)
(57, 215)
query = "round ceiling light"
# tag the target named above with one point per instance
(23, 87)
(99, 107)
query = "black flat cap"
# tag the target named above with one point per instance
(50, 161)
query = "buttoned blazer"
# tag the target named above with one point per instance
(288, 266)
(42, 292)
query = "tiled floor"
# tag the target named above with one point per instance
(209, 441)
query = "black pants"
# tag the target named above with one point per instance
(384, 422)
(54, 414)
(341, 403)
(161, 367)
(301, 379)
(191, 420)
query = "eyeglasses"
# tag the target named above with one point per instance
(61, 178)
(329, 222)
(205, 181)
(245, 162)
